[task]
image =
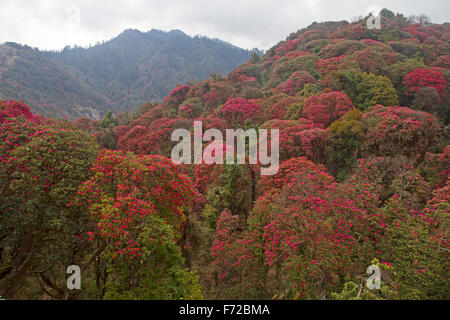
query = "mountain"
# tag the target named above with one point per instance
(138, 67)
(362, 180)
(46, 85)
(120, 74)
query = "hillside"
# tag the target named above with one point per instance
(47, 86)
(363, 118)
(363, 181)
(120, 74)
(138, 67)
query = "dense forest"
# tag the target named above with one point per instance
(119, 74)
(47, 87)
(138, 67)
(363, 180)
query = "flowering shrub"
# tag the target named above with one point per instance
(176, 96)
(237, 110)
(12, 109)
(299, 138)
(124, 189)
(325, 66)
(326, 108)
(296, 82)
(420, 78)
(394, 131)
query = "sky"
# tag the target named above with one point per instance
(54, 24)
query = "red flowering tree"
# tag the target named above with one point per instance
(237, 110)
(137, 205)
(235, 266)
(296, 82)
(275, 107)
(327, 108)
(389, 176)
(325, 66)
(299, 138)
(421, 78)
(394, 131)
(14, 109)
(176, 97)
(124, 189)
(311, 231)
(41, 167)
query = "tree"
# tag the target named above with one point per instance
(138, 204)
(345, 138)
(413, 247)
(420, 78)
(327, 108)
(108, 121)
(41, 234)
(394, 131)
(296, 82)
(237, 110)
(373, 90)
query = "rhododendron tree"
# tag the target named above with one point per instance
(327, 108)
(12, 109)
(436, 168)
(176, 97)
(296, 82)
(393, 131)
(275, 107)
(294, 61)
(236, 268)
(386, 177)
(370, 61)
(325, 66)
(420, 78)
(42, 167)
(237, 110)
(307, 224)
(213, 93)
(299, 138)
(138, 204)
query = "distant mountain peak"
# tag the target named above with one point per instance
(120, 74)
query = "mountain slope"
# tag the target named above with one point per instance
(45, 85)
(138, 67)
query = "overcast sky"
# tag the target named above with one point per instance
(53, 24)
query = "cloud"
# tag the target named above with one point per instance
(53, 24)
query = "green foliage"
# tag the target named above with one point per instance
(38, 228)
(345, 138)
(158, 274)
(108, 121)
(420, 268)
(367, 90)
(373, 90)
(231, 191)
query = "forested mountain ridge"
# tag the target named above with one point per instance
(138, 67)
(119, 74)
(47, 86)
